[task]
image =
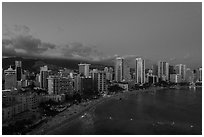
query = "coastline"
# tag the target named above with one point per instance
(69, 114)
(65, 117)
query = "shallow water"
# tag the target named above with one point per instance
(153, 112)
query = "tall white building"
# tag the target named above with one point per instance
(119, 69)
(102, 81)
(10, 78)
(84, 69)
(139, 70)
(98, 80)
(200, 74)
(163, 71)
(9, 71)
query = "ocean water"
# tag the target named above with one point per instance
(161, 112)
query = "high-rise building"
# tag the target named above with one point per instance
(154, 69)
(195, 75)
(84, 69)
(189, 75)
(43, 77)
(127, 76)
(139, 70)
(59, 85)
(163, 71)
(3, 79)
(172, 69)
(10, 78)
(181, 70)
(18, 67)
(86, 85)
(77, 84)
(119, 69)
(10, 81)
(102, 81)
(94, 76)
(10, 70)
(200, 74)
(109, 73)
(98, 80)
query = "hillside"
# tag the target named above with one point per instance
(34, 64)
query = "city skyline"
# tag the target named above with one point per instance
(97, 31)
(28, 92)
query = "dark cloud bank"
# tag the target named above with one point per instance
(20, 42)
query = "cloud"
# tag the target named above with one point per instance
(172, 59)
(8, 48)
(187, 56)
(25, 45)
(77, 51)
(20, 41)
(13, 31)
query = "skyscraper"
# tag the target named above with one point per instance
(189, 75)
(43, 77)
(18, 67)
(181, 70)
(10, 78)
(163, 71)
(109, 73)
(172, 70)
(126, 71)
(101, 81)
(86, 85)
(119, 69)
(94, 76)
(77, 84)
(139, 70)
(154, 69)
(200, 74)
(98, 80)
(84, 69)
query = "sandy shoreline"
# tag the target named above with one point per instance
(68, 115)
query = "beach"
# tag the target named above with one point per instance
(75, 111)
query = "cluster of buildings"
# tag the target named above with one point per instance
(162, 71)
(57, 85)
(85, 81)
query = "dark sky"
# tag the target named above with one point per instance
(157, 31)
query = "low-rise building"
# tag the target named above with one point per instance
(123, 85)
(56, 98)
(11, 110)
(10, 106)
(15, 103)
(152, 79)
